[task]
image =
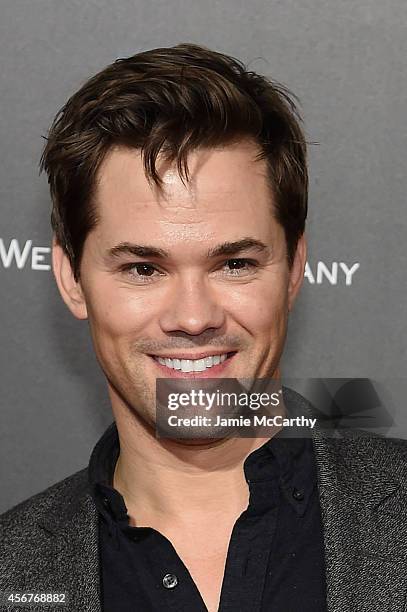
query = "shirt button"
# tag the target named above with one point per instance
(298, 495)
(105, 502)
(170, 581)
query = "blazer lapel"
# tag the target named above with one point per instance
(364, 530)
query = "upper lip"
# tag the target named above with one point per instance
(200, 355)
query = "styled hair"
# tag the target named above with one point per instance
(168, 102)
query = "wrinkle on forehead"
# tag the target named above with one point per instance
(199, 231)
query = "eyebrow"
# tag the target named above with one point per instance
(224, 249)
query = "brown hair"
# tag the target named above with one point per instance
(169, 102)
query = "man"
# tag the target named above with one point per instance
(179, 187)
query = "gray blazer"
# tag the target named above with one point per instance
(49, 542)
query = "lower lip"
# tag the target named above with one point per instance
(213, 372)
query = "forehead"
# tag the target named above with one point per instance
(227, 188)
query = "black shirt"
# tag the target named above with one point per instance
(275, 560)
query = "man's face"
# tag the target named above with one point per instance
(193, 272)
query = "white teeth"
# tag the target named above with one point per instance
(199, 365)
(192, 365)
(187, 365)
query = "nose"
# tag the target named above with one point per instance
(192, 307)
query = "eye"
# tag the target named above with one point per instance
(141, 272)
(240, 266)
(144, 269)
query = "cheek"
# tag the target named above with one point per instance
(116, 312)
(260, 307)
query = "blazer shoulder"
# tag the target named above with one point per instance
(369, 452)
(19, 518)
(378, 446)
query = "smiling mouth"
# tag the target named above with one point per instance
(209, 363)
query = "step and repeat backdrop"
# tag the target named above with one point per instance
(345, 61)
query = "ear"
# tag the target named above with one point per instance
(296, 274)
(70, 289)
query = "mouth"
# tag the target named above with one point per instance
(201, 366)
